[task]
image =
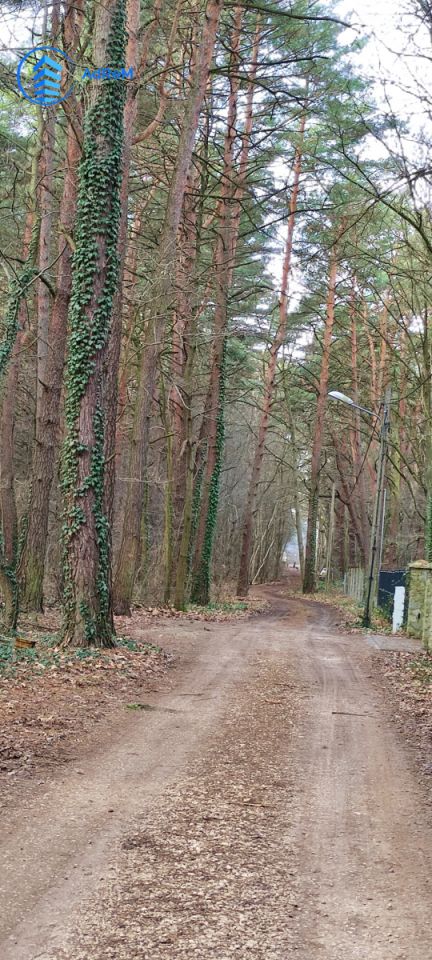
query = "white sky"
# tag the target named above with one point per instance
(17, 30)
(375, 14)
(393, 51)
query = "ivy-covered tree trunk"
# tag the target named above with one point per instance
(309, 580)
(202, 575)
(133, 9)
(47, 429)
(87, 611)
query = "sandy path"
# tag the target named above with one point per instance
(266, 809)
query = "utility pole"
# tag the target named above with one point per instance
(378, 508)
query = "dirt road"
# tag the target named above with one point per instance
(265, 808)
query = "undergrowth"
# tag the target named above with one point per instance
(421, 669)
(48, 655)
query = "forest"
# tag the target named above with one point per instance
(198, 246)
(215, 479)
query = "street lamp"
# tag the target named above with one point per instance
(384, 418)
(336, 395)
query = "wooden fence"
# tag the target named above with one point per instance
(354, 583)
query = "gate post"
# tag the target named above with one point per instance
(420, 577)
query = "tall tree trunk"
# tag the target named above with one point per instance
(112, 356)
(47, 123)
(296, 495)
(360, 497)
(187, 314)
(427, 406)
(168, 536)
(8, 507)
(270, 374)
(48, 413)
(394, 554)
(226, 245)
(356, 532)
(202, 573)
(87, 607)
(45, 193)
(129, 554)
(182, 569)
(309, 580)
(130, 546)
(127, 266)
(339, 540)
(14, 326)
(181, 396)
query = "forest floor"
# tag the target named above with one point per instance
(261, 802)
(51, 699)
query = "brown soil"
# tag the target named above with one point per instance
(266, 808)
(50, 708)
(48, 713)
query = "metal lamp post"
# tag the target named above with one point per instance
(378, 519)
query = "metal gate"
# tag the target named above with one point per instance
(388, 581)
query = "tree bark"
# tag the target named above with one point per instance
(87, 602)
(269, 379)
(356, 542)
(130, 546)
(48, 413)
(229, 222)
(296, 496)
(45, 202)
(309, 580)
(427, 406)
(10, 359)
(112, 356)
(8, 507)
(181, 394)
(359, 474)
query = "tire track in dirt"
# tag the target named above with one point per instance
(363, 825)
(275, 814)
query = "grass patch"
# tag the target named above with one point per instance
(128, 644)
(223, 607)
(38, 659)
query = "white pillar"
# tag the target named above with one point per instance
(398, 609)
